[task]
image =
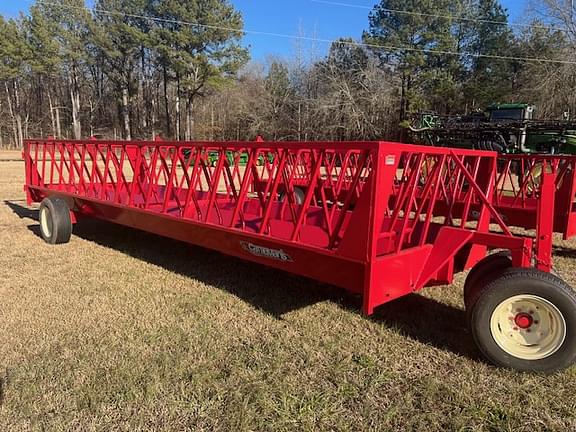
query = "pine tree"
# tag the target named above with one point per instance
(119, 39)
(410, 42)
(67, 22)
(490, 79)
(45, 61)
(197, 56)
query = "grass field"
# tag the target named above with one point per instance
(121, 330)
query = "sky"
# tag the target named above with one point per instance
(320, 19)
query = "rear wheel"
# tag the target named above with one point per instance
(485, 271)
(526, 320)
(55, 221)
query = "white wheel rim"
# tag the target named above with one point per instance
(46, 221)
(528, 327)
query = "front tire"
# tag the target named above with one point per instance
(55, 221)
(526, 320)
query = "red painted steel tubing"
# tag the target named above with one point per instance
(519, 190)
(380, 219)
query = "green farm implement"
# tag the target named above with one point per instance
(505, 128)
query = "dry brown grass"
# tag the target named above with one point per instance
(10, 155)
(121, 330)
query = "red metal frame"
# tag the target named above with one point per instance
(380, 219)
(519, 190)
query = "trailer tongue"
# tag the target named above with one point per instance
(379, 219)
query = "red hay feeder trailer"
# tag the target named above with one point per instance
(379, 219)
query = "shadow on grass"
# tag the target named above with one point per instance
(431, 322)
(564, 252)
(21, 211)
(272, 291)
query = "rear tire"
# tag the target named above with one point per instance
(55, 221)
(484, 272)
(526, 320)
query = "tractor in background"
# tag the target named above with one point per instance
(505, 128)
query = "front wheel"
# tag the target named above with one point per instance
(55, 221)
(526, 320)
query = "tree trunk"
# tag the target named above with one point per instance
(25, 126)
(408, 88)
(75, 98)
(14, 110)
(11, 110)
(189, 118)
(178, 109)
(146, 91)
(126, 114)
(18, 113)
(92, 109)
(167, 103)
(139, 109)
(52, 117)
(153, 114)
(403, 98)
(58, 126)
(299, 120)
(212, 122)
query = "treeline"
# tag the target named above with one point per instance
(135, 69)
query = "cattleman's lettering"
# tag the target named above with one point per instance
(261, 251)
